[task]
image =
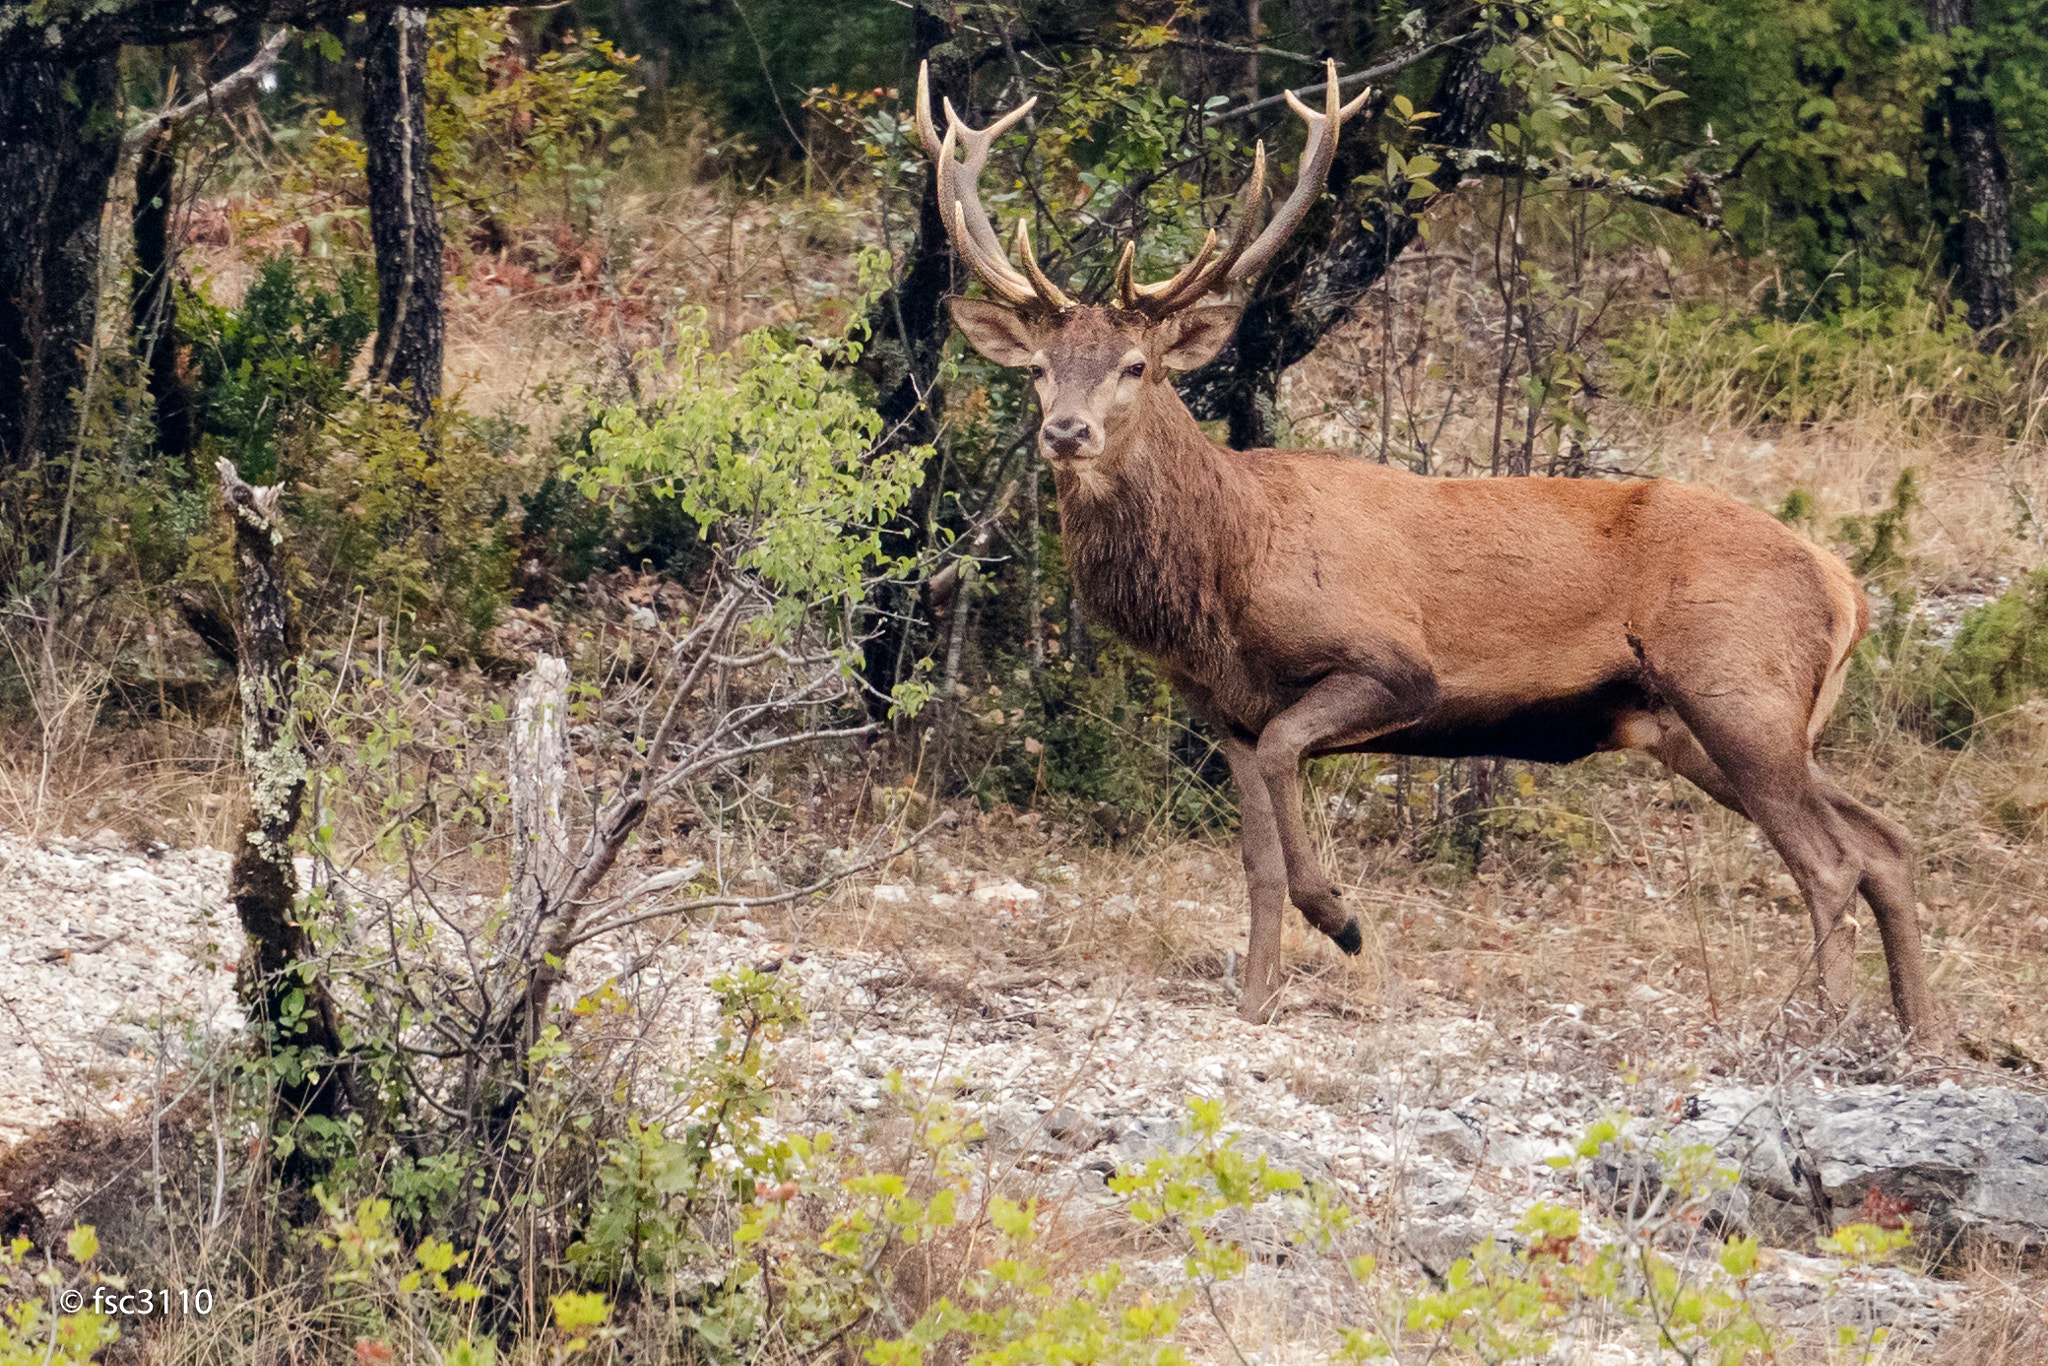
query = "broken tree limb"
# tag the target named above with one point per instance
(219, 95)
(280, 987)
(538, 762)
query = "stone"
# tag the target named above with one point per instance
(1441, 1133)
(1960, 1163)
(1005, 895)
(1071, 1129)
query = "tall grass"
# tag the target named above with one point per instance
(1915, 365)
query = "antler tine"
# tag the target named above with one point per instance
(1205, 272)
(974, 237)
(985, 261)
(1247, 255)
(1308, 183)
(1042, 285)
(926, 132)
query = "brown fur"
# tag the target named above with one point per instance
(1307, 604)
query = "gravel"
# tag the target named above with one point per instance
(112, 957)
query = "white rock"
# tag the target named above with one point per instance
(1011, 895)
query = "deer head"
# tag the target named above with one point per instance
(1095, 365)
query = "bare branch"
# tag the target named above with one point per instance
(748, 902)
(1400, 61)
(217, 96)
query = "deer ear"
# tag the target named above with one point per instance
(995, 331)
(1193, 338)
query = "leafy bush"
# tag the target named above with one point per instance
(407, 526)
(1107, 742)
(46, 1331)
(768, 456)
(271, 370)
(1999, 658)
(514, 120)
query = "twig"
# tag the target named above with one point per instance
(748, 902)
(104, 942)
(1400, 61)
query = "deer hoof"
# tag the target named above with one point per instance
(1349, 939)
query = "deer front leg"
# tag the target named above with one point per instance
(1265, 874)
(1343, 710)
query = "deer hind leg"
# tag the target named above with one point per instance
(1887, 885)
(1757, 764)
(1342, 710)
(1265, 872)
(1878, 849)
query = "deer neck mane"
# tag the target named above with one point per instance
(1157, 535)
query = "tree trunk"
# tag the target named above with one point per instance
(153, 313)
(1980, 237)
(1320, 280)
(283, 997)
(405, 228)
(59, 141)
(908, 327)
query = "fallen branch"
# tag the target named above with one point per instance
(66, 954)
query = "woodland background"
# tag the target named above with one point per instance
(613, 331)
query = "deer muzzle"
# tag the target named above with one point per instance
(1068, 438)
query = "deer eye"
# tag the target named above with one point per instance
(1037, 372)
(1135, 371)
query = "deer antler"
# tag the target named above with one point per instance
(967, 223)
(1245, 257)
(974, 236)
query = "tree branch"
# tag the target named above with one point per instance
(1697, 196)
(30, 32)
(1400, 61)
(220, 94)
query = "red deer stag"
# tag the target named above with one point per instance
(1306, 604)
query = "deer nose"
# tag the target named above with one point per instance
(1065, 435)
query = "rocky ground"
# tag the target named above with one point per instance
(1436, 1120)
(108, 949)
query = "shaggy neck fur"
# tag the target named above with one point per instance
(1159, 533)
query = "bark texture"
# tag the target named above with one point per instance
(1980, 238)
(152, 309)
(280, 992)
(405, 228)
(59, 141)
(1334, 260)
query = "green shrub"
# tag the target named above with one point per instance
(1109, 743)
(271, 370)
(1999, 658)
